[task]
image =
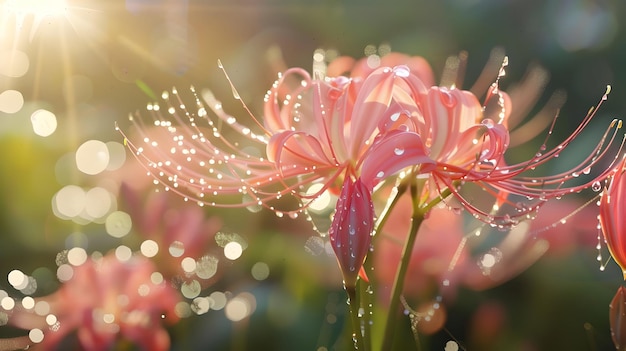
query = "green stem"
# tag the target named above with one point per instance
(353, 302)
(394, 313)
(366, 294)
(366, 304)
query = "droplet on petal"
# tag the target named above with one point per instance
(402, 71)
(611, 220)
(351, 228)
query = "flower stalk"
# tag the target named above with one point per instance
(358, 335)
(418, 216)
(394, 313)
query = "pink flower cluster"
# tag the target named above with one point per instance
(354, 128)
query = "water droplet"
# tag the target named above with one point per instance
(361, 312)
(402, 71)
(398, 151)
(596, 186)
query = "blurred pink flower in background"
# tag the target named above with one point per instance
(173, 234)
(437, 241)
(445, 254)
(105, 301)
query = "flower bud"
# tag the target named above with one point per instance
(351, 229)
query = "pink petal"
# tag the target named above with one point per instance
(287, 149)
(351, 229)
(391, 154)
(450, 112)
(370, 106)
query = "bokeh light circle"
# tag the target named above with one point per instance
(13, 63)
(149, 248)
(35, 335)
(98, 202)
(69, 202)
(92, 157)
(76, 256)
(11, 101)
(233, 250)
(260, 271)
(118, 224)
(44, 122)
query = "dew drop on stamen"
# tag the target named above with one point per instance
(596, 186)
(236, 94)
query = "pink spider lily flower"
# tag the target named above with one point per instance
(612, 209)
(106, 301)
(366, 128)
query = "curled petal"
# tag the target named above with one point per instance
(612, 209)
(351, 229)
(450, 112)
(617, 309)
(392, 153)
(276, 117)
(288, 149)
